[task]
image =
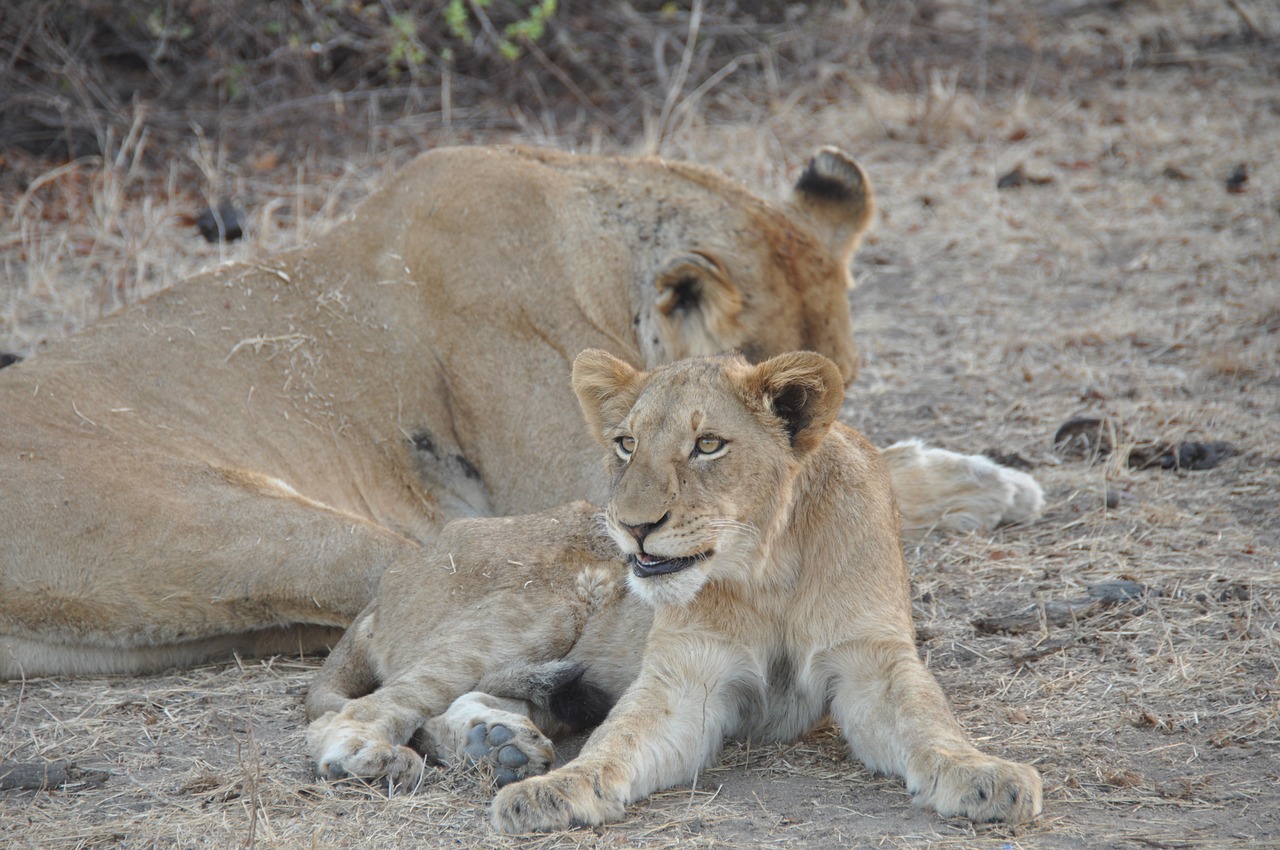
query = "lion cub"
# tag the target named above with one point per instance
(765, 587)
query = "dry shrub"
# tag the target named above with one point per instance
(246, 67)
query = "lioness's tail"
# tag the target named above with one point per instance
(347, 673)
(939, 489)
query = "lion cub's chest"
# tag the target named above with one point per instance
(785, 701)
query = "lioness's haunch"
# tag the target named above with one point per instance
(762, 586)
(231, 464)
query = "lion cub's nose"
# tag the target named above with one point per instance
(644, 529)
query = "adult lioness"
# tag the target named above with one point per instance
(232, 463)
(764, 538)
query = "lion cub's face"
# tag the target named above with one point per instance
(702, 454)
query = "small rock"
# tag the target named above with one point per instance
(1238, 182)
(1084, 437)
(40, 776)
(1019, 177)
(1090, 438)
(222, 225)
(1187, 455)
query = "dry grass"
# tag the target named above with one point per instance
(987, 319)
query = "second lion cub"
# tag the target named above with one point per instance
(764, 587)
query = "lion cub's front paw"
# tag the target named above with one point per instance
(559, 800)
(342, 750)
(982, 788)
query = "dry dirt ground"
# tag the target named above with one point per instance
(1121, 280)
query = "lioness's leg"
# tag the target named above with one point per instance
(939, 489)
(897, 720)
(670, 722)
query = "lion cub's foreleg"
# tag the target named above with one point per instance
(897, 720)
(670, 723)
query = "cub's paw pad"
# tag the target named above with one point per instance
(512, 755)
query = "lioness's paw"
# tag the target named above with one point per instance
(553, 802)
(515, 750)
(982, 789)
(944, 490)
(341, 751)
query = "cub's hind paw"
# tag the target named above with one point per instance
(482, 729)
(513, 755)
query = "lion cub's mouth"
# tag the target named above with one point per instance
(645, 565)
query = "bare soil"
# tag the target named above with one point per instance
(1122, 279)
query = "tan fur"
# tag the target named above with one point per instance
(231, 464)
(938, 489)
(795, 603)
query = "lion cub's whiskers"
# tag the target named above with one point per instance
(748, 531)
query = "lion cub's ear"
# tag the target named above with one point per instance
(802, 389)
(835, 195)
(606, 388)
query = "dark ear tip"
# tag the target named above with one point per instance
(832, 175)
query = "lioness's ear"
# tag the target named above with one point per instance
(835, 195)
(802, 389)
(694, 288)
(606, 388)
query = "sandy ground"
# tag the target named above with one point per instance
(1121, 280)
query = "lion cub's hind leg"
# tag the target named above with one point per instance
(468, 639)
(481, 729)
(501, 723)
(370, 736)
(358, 729)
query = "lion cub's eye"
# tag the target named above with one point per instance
(709, 444)
(625, 446)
